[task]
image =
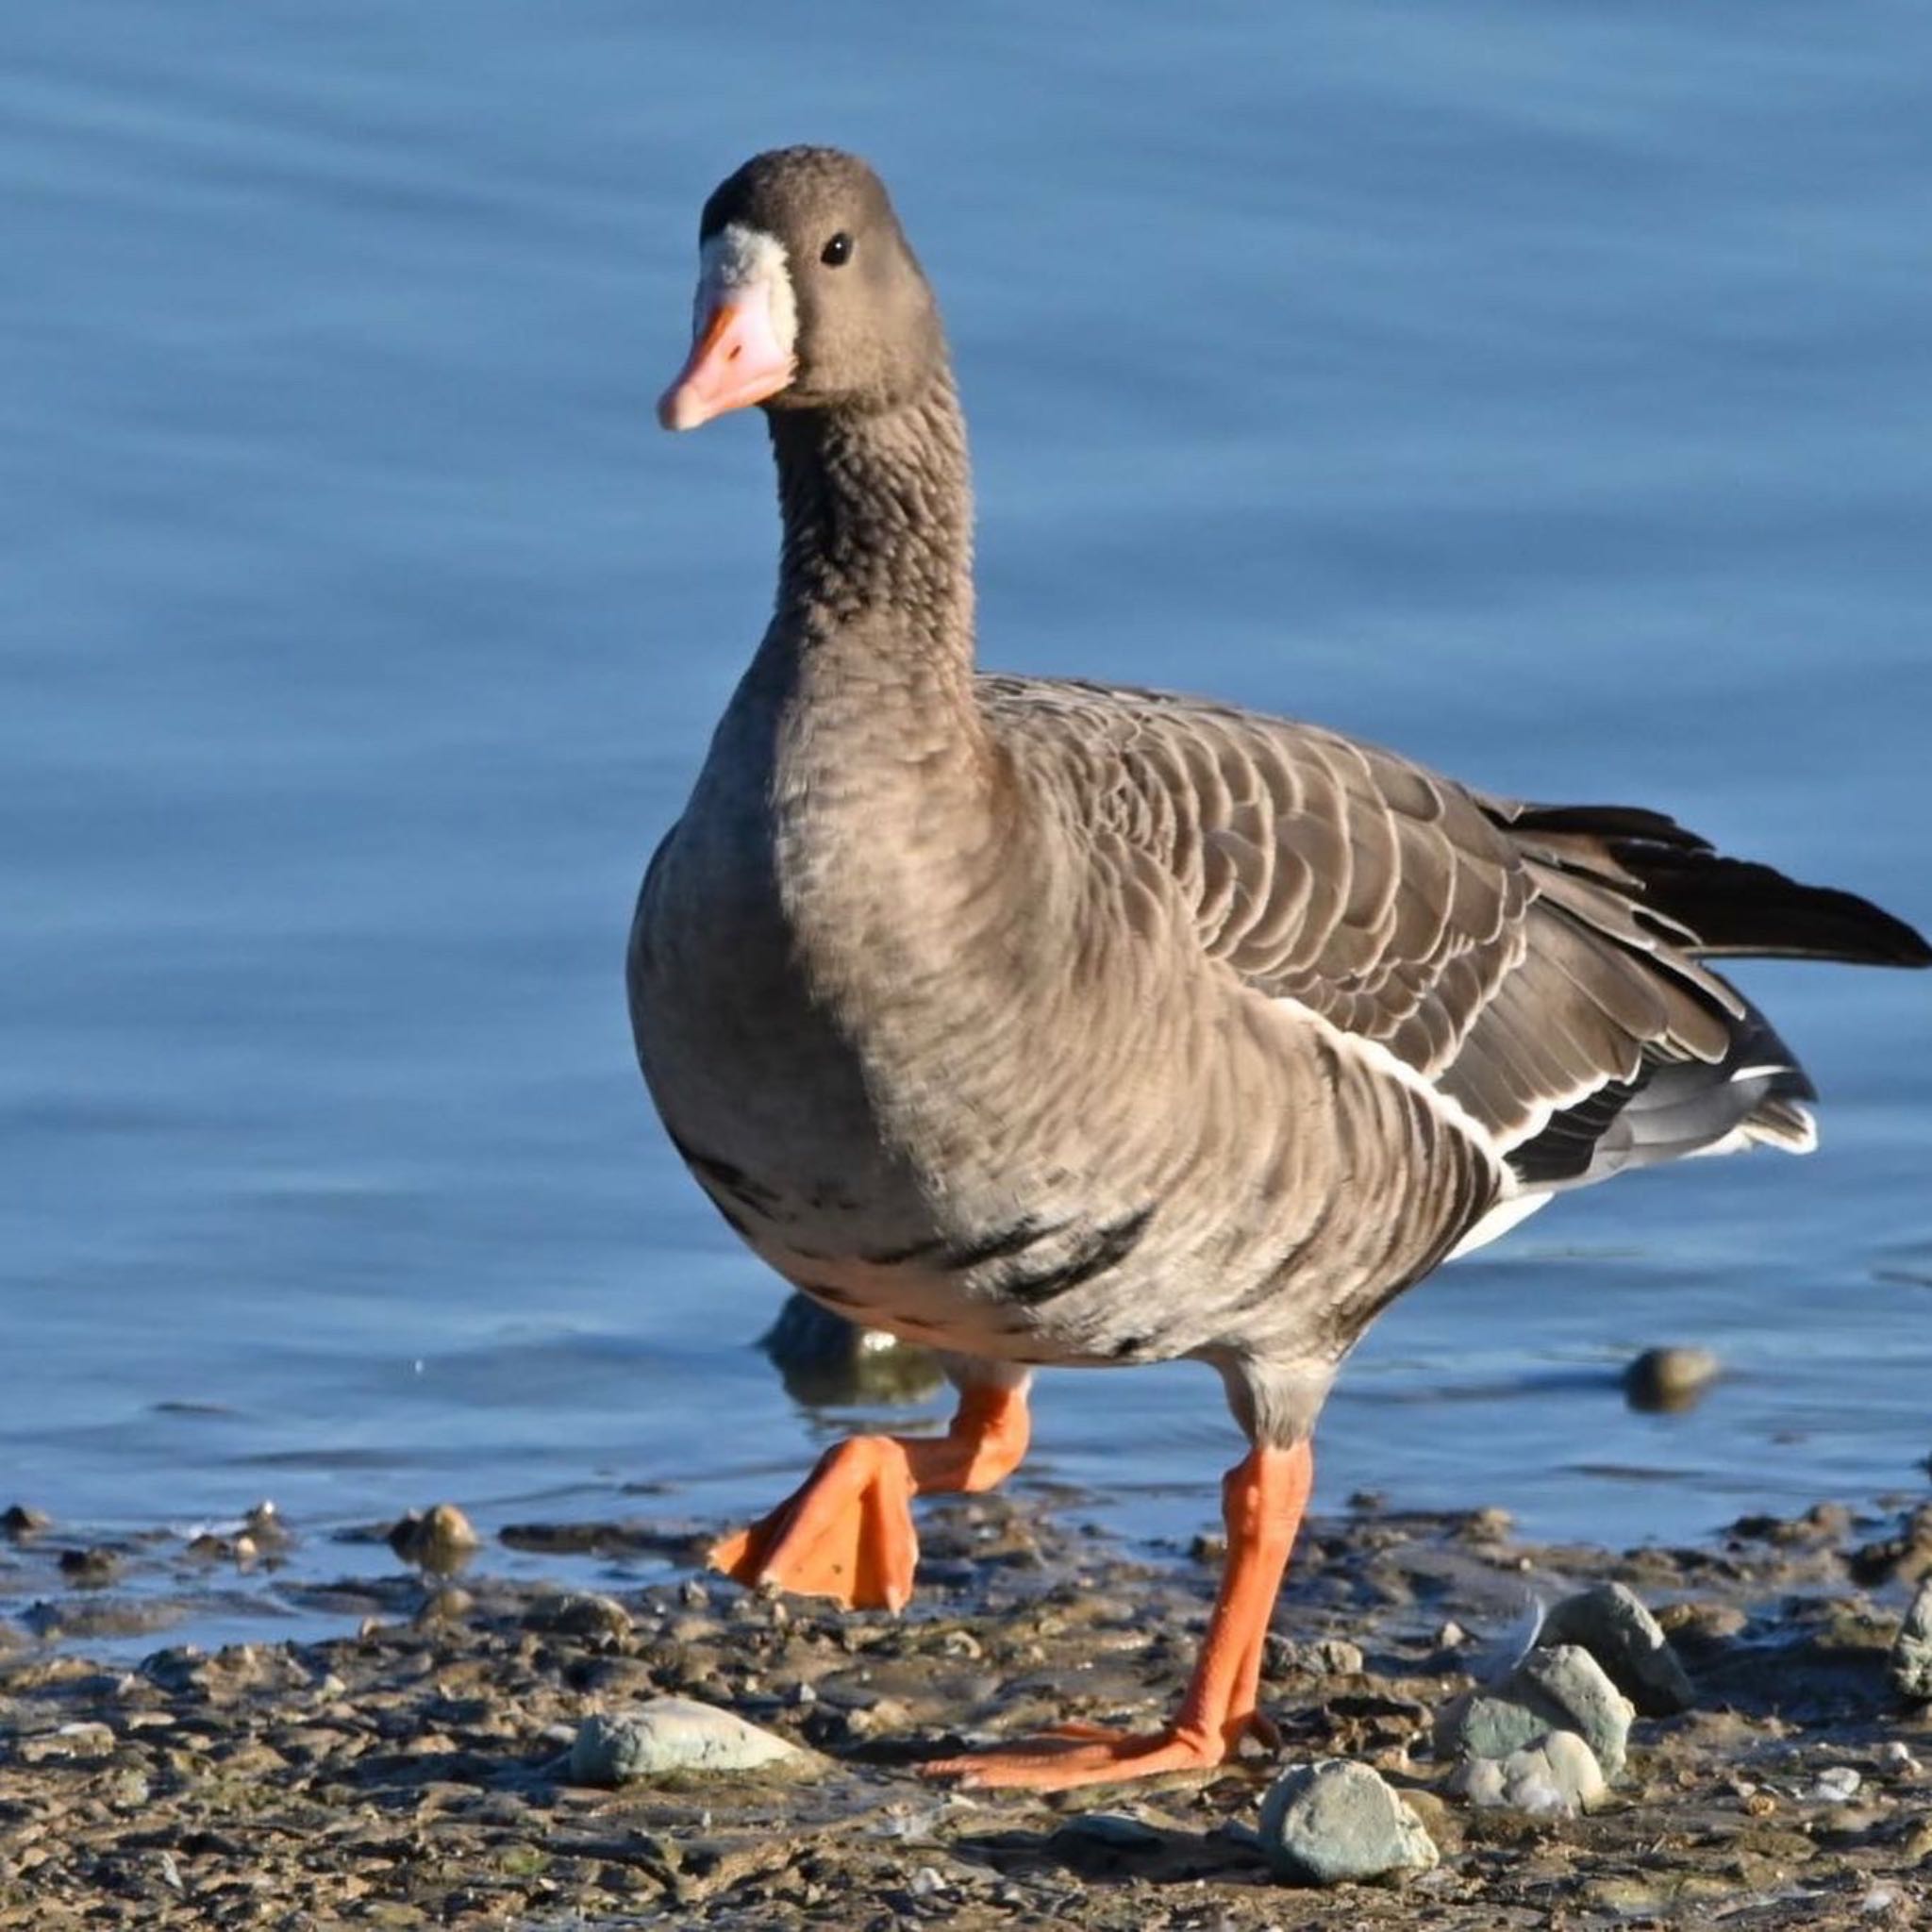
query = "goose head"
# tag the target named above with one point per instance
(808, 295)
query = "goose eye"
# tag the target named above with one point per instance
(837, 251)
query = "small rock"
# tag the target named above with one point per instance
(264, 1524)
(89, 1568)
(1824, 1523)
(1486, 1727)
(21, 1521)
(828, 1362)
(1555, 1778)
(82, 1740)
(1575, 1688)
(1905, 1557)
(881, 1717)
(1489, 1524)
(1611, 1622)
(444, 1606)
(1668, 1380)
(1321, 1657)
(1910, 1664)
(438, 1539)
(672, 1734)
(1560, 1688)
(1702, 1629)
(183, 1667)
(1838, 1786)
(579, 1614)
(1332, 1822)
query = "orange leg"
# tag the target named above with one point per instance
(1262, 1500)
(848, 1532)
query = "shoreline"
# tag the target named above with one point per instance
(416, 1773)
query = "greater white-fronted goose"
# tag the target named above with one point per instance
(1054, 1022)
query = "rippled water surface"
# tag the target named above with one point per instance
(1547, 393)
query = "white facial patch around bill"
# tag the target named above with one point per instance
(738, 261)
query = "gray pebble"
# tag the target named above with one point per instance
(1667, 1380)
(1611, 1622)
(1333, 1822)
(672, 1734)
(1911, 1656)
(1571, 1685)
(1557, 1776)
(579, 1614)
(1560, 1688)
(1488, 1726)
(1320, 1657)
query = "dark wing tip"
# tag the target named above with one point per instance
(1913, 947)
(1737, 907)
(1734, 907)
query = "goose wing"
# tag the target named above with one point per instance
(1514, 957)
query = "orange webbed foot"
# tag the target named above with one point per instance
(1262, 1501)
(847, 1534)
(1078, 1754)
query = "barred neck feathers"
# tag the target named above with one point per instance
(877, 508)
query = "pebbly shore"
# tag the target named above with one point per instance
(420, 1771)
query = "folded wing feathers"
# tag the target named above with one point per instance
(1511, 954)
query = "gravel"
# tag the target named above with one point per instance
(413, 1770)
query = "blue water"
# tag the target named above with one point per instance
(1547, 393)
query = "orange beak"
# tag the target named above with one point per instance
(735, 361)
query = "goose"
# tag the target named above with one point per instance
(1052, 1022)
